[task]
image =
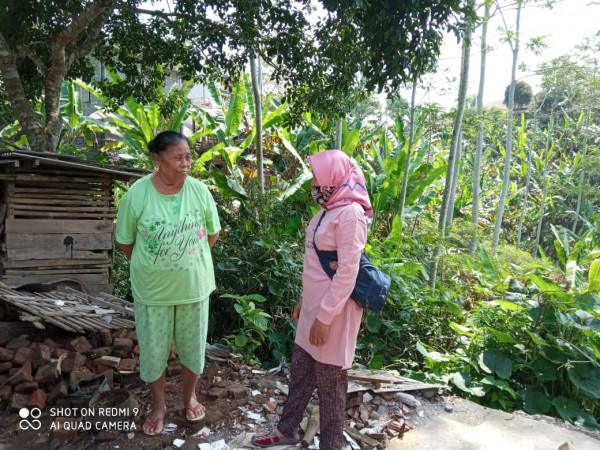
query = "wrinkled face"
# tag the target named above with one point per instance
(175, 162)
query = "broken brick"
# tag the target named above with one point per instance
(58, 352)
(110, 377)
(80, 345)
(270, 406)
(5, 367)
(21, 375)
(47, 374)
(127, 365)
(16, 343)
(132, 335)
(26, 388)
(106, 361)
(37, 399)
(120, 333)
(237, 391)
(41, 355)
(98, 352)
(102, 368)
(73, 361)
(354, 400)
(5, 392)
(18, 401)
(387, 396)
(105, 337)
(217, 392)
(65, 427)
(6, 355)
(58, 390)
(22, 355)
(122, 347)
(51, 343)
(77, 376)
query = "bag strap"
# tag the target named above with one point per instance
(315, 233)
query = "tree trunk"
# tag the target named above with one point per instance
(462, 97)
(544, 188)
(509, 129)
(581, 177)
(527, 180)
(457, 165)
(411, 137)
(75, 40)
(479, 144)
(338, 134)
(254, 70)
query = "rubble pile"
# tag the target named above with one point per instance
(241, 400)
(37, 374)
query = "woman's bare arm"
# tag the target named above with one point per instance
(127, 249)
(212, 238)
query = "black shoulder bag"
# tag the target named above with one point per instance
(372, 285)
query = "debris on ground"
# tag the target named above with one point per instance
(68, 308)
(61, 389)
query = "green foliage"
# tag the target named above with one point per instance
(523, 94)
(251, 333)
(136, 124)
(212, 40)
(507, 330)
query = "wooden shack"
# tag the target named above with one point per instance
(57, 219)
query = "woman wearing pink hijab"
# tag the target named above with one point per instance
(328, 319)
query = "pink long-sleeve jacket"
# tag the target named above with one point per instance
(343, 229)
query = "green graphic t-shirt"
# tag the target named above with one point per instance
(171, 262)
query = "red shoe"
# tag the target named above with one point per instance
(271, 438)
(154, 423)
(194, 411)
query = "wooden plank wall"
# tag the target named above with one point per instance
(58, 225)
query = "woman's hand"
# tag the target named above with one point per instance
(296, 312)
(319, 333)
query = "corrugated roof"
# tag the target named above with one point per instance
(53, 159)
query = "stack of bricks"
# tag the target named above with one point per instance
(37, 374)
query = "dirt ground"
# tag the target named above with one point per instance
(224, 419)
(242, 400)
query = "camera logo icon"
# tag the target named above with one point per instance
(34, 414)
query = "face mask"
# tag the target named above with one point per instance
(321, 194)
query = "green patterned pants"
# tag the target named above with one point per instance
(156, 328)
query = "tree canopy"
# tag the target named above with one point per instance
(317, 60)
(523, 94)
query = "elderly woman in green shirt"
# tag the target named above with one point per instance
(166, 224)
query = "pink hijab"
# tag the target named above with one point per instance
(334, 168)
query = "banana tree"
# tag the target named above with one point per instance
(137, 124)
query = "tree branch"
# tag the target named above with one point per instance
(81, 22)
(10, 144)
(168, 17)
(25, 51)
(64, 51)
(75, 51)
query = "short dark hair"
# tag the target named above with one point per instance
(165, 139)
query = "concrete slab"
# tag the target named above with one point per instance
(474, 427)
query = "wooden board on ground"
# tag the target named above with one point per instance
(380, 381)
(377, 377)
